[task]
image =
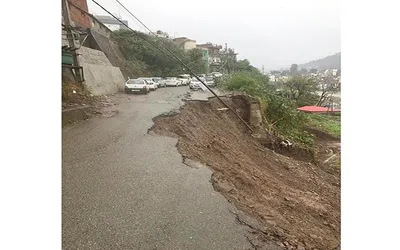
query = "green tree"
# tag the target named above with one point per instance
(154, 62)
(254, 84)
(245, 66)
(301, 90)
(196, 61)
(328, 86)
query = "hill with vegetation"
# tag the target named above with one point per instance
(143, 59)
(329, 62)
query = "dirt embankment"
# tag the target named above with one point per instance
(297, 202)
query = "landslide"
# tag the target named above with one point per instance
(298, 202)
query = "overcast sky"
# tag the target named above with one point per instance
(270, 33)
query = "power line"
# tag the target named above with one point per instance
(176, 58)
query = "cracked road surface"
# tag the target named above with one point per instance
(125, 189)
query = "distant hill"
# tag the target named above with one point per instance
(329, 62)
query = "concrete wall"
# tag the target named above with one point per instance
(92, 56)
(101, 78)
(100, 28)
(112, 52)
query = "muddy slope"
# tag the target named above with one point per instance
(296, 201)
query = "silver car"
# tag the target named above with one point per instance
(160, 82)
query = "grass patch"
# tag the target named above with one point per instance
(329, 124)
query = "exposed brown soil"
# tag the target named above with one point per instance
(297, 202)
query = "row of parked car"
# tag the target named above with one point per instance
(146, 84)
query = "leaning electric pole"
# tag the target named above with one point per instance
(68, 30)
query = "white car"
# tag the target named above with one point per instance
(196, 84)
(159, 81)
(210, 81)
(185, 79)
(173, 81)
(149, 82)
(216, 74)
(136, 86)
(169, 82)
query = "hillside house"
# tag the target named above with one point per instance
(214, 53)
(185, 43)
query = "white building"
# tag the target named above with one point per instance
(112, 23)
(272, 78)
(160, 33)
(185, 43)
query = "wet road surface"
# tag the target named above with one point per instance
(126, 189)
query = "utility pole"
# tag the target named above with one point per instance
(263, 69)
(68, 29)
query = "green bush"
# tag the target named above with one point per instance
(279, 111)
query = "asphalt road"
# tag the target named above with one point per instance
(126, 189)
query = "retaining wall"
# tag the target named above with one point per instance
(101, 78)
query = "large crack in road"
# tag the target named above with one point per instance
(126, 189)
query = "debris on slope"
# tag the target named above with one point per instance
(297, 202)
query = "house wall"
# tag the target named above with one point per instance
(214, 59)
(78, 17)
(188, 45)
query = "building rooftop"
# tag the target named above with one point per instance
(110, 20)
(210, 45)
(183, 39)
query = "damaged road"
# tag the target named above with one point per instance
(296, 202)
(125, 188)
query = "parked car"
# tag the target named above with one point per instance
(210, 81)
(136, 86)
(149, 82)
(185, 79)
(159, 82)
(170, 82)
(216, 74)
(173, 81)
(196, 84)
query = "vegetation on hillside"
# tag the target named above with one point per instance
(326, 123)
(146, 60)
(279, 106)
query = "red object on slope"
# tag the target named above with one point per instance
(317, 109)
